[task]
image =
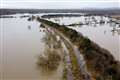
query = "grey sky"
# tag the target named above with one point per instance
(61, 4)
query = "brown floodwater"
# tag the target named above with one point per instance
(21, 44)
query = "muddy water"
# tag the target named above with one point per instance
(21, 44)
(106, 35)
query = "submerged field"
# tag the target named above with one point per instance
(81, 47)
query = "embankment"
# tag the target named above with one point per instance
(100, 63)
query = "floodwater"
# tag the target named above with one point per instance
(106, 35)
(21, 45)
(22, 42)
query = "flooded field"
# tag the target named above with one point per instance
(106, 34)
(24, 42)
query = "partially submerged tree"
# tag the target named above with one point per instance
(49, 61)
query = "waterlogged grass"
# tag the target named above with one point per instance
(74, 62)
(64, 70)
(100, 62)
(75, 67)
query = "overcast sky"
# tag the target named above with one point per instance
(60, 4)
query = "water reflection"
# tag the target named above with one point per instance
(29, 27)
(115, 31)
(50, 61)
(91, 21)
(104, 31)
(31, 18)
(85, 20)
(115, 28)
(42, 28)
